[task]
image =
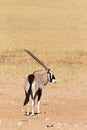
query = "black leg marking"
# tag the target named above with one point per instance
(39, 94)
(27, 96)
(26, 99)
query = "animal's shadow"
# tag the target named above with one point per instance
(30, 113)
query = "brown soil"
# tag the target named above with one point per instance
(58, 111)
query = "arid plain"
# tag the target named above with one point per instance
(56, 32)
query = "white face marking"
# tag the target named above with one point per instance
(54, 81)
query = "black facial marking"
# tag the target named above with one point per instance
(39, 94)
(51, 76)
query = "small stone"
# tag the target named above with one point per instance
(58, 127)
(59, 124)
(22, 110)
(76, 125)
(85, 126)
(65, 124)
(19, 123)
(47, 119)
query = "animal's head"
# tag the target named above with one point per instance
(51, 77)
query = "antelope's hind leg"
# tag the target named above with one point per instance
(26, 102)
(39, 97)
(28, 112)
(33, 105)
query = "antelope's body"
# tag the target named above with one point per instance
(34, 85)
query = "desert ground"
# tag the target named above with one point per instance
(56, 32)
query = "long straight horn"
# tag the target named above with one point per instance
(40, 62)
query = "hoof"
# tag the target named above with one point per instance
(32, 114)
(39, 112)
(27, 113)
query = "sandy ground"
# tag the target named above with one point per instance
(59, 110)
(56, 32)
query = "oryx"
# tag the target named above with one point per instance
(35, 82)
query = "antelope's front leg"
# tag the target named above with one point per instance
(33, 104)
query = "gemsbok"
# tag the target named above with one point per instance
(35, 82)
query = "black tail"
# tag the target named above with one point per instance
(30, 80)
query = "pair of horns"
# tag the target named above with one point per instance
(39, 61)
